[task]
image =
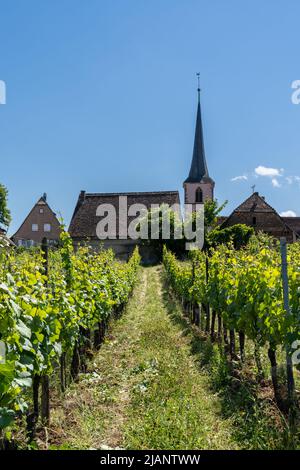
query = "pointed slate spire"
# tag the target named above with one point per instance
(198, 167)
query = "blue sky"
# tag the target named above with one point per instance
(101, 96)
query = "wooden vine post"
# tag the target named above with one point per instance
(285, 285)
(207, 326)
(193, 306)
(45, 398)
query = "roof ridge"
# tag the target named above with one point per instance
(256, 194)
(131, 193)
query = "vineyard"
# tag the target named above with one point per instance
(99, 352)
(237, 296)
(54, 308)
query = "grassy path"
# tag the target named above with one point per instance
(145, 389)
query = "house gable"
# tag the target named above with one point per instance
(43, 219)
(257, 213)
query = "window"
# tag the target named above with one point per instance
(199, 195)
(47, 228)
(41, 211)
(254, 221)
(26, 243)
(35, 227)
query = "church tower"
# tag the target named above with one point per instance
(198, 187)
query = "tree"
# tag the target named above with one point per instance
(152, 224)
(239, 235)
(5, 217)
(211, 212)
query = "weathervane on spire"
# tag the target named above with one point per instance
(198, 89)
(253, 188)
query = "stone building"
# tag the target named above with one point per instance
(293, 223)
(83, 226)
(40, 222)
(257, 213)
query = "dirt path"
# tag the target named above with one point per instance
(145, 389)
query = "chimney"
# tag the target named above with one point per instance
(80, 201)
(81, 196)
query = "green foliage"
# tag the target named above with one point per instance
(244, 287)
(40, 317)
(5, 217)
(239, 235)
(154, 219)
(177, 246)
(211, 212)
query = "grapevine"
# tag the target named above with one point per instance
(49, 312)
(243, 290)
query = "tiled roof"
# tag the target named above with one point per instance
(84, 220)
(255, 203)
(293, 223)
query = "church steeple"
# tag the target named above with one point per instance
(198, 165)
(198, 186)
